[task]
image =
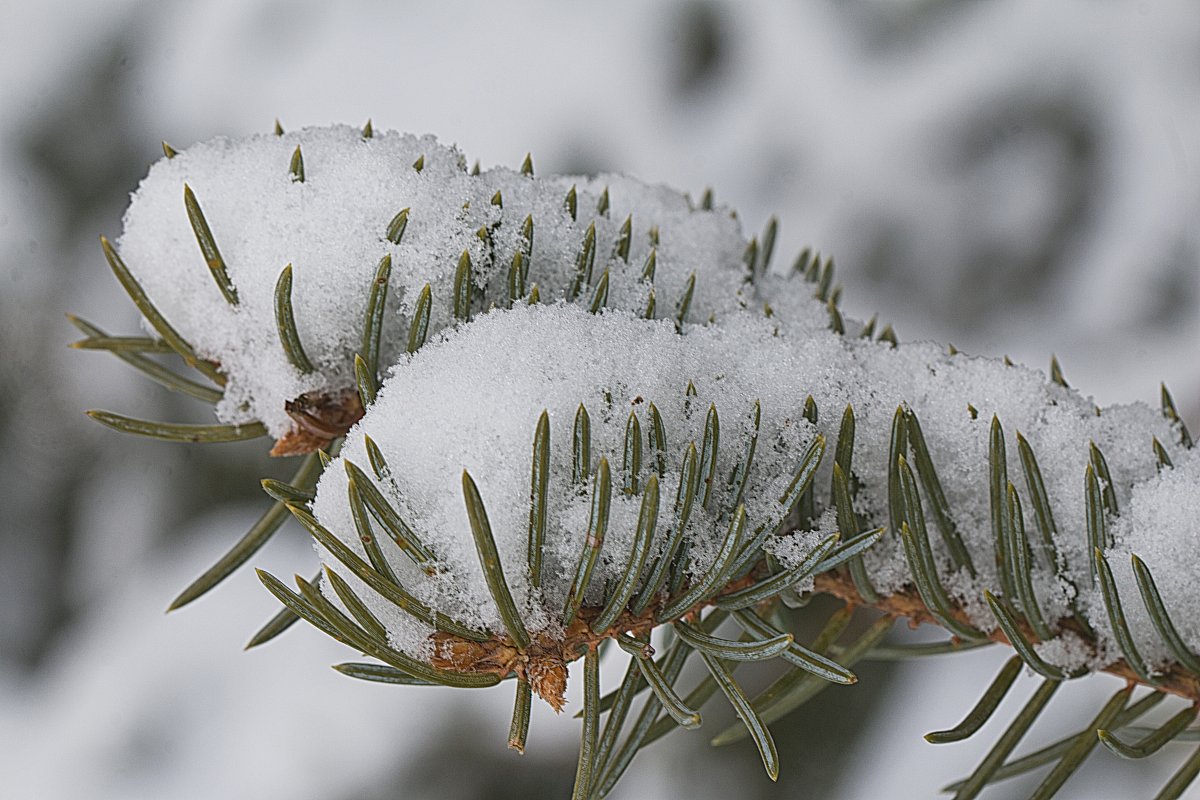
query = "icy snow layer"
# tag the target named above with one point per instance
(472, 400)
(332, 226)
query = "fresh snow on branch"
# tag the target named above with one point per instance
(738, 343)
(333, 227)
(472, 401)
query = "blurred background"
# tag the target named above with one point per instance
(1017, 178)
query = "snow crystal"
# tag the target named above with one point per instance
(792, 548)
(331, 228)
(1070, 652)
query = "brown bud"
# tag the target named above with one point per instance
(548, 678)
(320, 418)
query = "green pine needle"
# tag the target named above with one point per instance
(489, 558)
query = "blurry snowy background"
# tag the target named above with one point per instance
(1014, 178)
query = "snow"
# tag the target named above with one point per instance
(1161, 525)
(456, 405)
(332, 229)
(471, 401)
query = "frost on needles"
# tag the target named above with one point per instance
(571, 409)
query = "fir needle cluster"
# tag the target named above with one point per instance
(534, 416)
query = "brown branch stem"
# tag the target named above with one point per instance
(544, 662)
(907, 603)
